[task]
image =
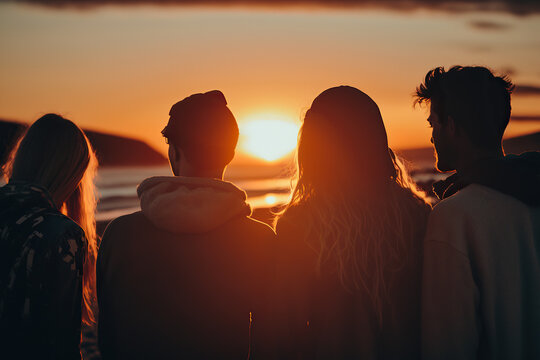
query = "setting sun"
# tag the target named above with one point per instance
(268, 136)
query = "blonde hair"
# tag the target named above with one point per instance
(364, 214)
(56, 154)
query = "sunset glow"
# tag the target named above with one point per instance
(268, 136)
(270, 199)
(118, 69)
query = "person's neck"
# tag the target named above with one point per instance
(210, 174)
(469, 158)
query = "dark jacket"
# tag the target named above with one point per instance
(41, 268)
(187, 277)
(320, 319)
(515, 175)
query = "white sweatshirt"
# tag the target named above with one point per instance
(481, 282)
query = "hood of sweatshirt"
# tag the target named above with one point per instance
(514, 175)
(190, 205)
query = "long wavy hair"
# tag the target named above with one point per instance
(363, 210)
(56, 154)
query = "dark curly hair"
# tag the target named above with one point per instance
(476, 99)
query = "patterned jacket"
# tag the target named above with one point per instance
(41, 267)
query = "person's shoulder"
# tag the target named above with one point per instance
(470, 216)
(471, 201)
(60, 233)
(294, 217)
(261, 226)
(128, 220)
(452, 214)
(57, 225)
(134, 223)
(291, 229)
(460, 201)
(255, 228)
(121, 231)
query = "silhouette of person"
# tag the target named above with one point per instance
(349, 241)
(481, 282)
(48, 240)
(187, 276)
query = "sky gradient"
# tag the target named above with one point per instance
(119, 69)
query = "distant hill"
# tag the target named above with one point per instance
(422, 157)
(114, 150)
(111, 150)
(9, 133)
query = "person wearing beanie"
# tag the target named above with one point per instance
(187, 276)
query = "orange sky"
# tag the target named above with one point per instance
(120, 69)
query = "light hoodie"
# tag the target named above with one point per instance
(481, 274)
(190, 205)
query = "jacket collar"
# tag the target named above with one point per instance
(514, 175)
(26, 191)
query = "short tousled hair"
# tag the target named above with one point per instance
(477, 100)
(204, 128)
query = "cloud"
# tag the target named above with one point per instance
(525, 118)
(525, 90)
(489, 25)
(477, 49)
(518, 7)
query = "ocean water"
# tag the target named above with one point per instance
(117, 187)
(265, 186)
